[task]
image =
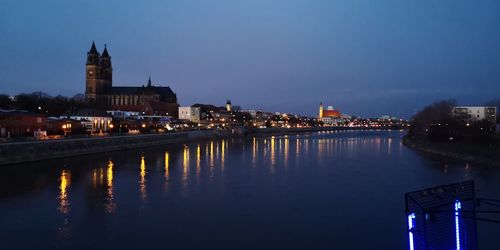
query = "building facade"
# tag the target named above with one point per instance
(475, 113)
(122, 114)
(99, 89)
(20, 123)
(329, 116)
(192, 114)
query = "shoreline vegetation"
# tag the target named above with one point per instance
(443, 129)
(22, 152)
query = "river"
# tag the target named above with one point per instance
(324, 190)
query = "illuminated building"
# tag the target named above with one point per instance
(475, 113)
(330, 116)
(228, 106)
(192, 114)
(99, 89)
(92, 120)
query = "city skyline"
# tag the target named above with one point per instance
(250, 124)
(363, 59)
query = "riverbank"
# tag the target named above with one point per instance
(21, 152)
(474, 153)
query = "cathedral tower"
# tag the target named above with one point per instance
(92, 73)
(99, 73)
(106, 69)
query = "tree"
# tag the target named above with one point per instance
(437, 113)
(436, 122)
(78, 98)
(52, 106)
(27, 102)
(4, 101)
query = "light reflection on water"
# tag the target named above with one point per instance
(64, 204)
(167, 161)
(301, 183)
(223, 150)
(142, 181)
(255, 148)
(273, 154)
(110, 204)
(185, 166)
(198, 160)
(286, 149)
(65, 182)
(211, 154)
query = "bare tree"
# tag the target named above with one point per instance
(438, 112)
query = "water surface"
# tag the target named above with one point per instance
(327, 190)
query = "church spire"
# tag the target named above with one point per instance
(105, 52)
(93, 55)
(149, 81)
(93, 49)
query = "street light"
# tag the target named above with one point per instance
(66, 127)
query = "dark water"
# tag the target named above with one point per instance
(340, 190)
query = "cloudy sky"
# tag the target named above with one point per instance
(363, 57)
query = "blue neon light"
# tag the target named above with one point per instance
(458, 206)
(411, 226)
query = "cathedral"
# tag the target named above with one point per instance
(148, 99)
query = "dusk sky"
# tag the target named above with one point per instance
(363, 57)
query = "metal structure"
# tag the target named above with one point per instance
(442, 217)
(445, 217)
